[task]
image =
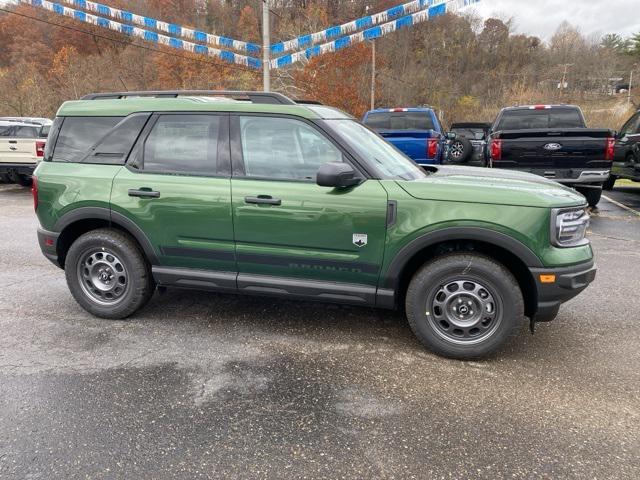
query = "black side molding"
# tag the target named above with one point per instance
(264, 285)
(103, 213)
(457, 233)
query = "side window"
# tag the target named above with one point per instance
(284, 148)
(183, 145)
(116, 145)
(78, 134)
(632, 125)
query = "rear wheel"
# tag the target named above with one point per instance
(464, 305)
(107, 274)
(24, 180)
(608, 185)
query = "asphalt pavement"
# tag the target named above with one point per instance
(199, 385)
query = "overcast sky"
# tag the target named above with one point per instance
(542, 17)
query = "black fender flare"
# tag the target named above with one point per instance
(102, 213)
(485, 235)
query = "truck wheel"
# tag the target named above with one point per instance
(460, 150)
(592, 195)
(608, 185)
(464, 305)
(24, 180)
(108, 275)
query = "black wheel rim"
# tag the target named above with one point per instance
(464, 311)
(103, 277)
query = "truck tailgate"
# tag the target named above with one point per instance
(412, 143)
(558, 149)
(18, 150)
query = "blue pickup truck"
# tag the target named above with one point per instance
(415, 131)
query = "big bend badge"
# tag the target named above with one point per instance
(360, 239)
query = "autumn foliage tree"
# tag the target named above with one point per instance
(330, 79)
(465, 67)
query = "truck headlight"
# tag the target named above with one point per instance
(569, 227)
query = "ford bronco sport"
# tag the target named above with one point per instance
(251, 193)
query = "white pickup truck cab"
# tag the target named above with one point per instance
(22, 143)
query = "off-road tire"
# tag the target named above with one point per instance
(592, 195)
(609, 184)
(435, 275)
(24, 180)
(466, 150)
(139, 287)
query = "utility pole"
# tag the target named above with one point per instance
(563, 82)
(630, 85)
(266, 43)
(373, 74)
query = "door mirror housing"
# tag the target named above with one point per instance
(451, 135)
(337, 175)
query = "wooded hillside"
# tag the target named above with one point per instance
(464, 67)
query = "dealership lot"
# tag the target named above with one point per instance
(199, 385)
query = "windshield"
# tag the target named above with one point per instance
(388, 160)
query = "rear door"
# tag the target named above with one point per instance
(176, 188)
(291, 234)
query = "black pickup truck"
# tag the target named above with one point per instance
(553, 141)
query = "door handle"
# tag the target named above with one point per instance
(263, 200)
(143, 193)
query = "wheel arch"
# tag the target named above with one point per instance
(511, 253)
(82, 220)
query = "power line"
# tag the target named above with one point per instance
(124, 42)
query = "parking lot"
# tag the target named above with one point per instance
(204, 385)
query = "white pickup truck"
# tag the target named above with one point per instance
(22, 142)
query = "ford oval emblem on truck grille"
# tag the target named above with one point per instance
(552, 146)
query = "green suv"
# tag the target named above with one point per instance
(252, 193)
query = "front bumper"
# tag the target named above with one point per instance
(48, 242)
(569, 282)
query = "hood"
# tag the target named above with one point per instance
(491, 185)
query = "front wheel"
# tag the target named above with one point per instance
(108, 275)
(464, 305)
(593, 195)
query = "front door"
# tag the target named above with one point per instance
(624, 158)
(177, 189)
(288, 227)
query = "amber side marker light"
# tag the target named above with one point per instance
(547, 279)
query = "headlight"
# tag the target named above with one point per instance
(569, 227)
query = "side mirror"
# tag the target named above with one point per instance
(451, 135)
(337, 175)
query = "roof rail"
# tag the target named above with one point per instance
(270, 98)
(308, 102)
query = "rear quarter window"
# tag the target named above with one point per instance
(101, 140)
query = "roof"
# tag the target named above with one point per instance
(401, 109)
(539, 107)
(127, 106)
